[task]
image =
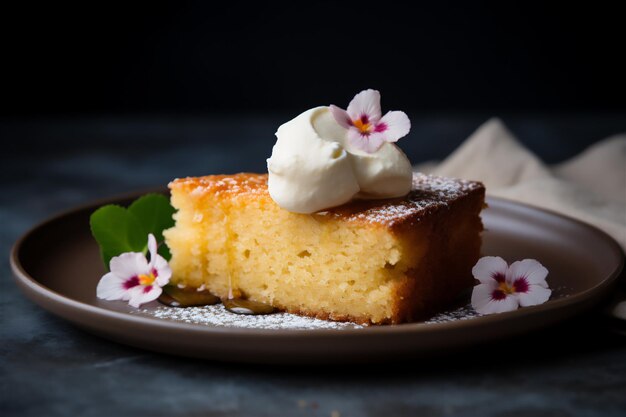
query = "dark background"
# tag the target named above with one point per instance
(211, 81)
(262, 57)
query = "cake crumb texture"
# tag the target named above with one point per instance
(368, 261)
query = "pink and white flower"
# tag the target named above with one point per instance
(505, 288)
(367, 130)
(133, 278)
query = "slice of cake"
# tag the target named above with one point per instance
(367, 261)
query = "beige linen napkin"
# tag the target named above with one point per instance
(590, 187)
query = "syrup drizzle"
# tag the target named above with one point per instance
(188, 297)
(243, 306)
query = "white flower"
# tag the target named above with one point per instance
(505, 288)
(133, 278)
(367, 128)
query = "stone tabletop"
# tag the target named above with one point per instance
(50, 368)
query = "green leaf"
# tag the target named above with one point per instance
(118, 230)
(155, 213)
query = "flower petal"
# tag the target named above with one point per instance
(164, 272)
(489, 268)
(484, 303)
(532, 270)
(144, 294)
(129, 264)
(152, 248)
(111, 287)
(367, 103)
(536, 294)
(341, 116)
(368, 143)
(481, 295)
(394, 125)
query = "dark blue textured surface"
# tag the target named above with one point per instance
(50, 368)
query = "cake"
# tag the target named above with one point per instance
(380, 261)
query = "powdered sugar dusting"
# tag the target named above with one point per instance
(217, 315)
(462, 313)
(429, 193)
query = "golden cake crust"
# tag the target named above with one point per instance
(428, 195)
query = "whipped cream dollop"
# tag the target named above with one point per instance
(313, 167)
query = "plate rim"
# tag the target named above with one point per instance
(29, 284)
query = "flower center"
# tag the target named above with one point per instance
(362, 124)
(147, 279)
(505, 288)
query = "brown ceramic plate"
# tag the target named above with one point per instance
(57, 265)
